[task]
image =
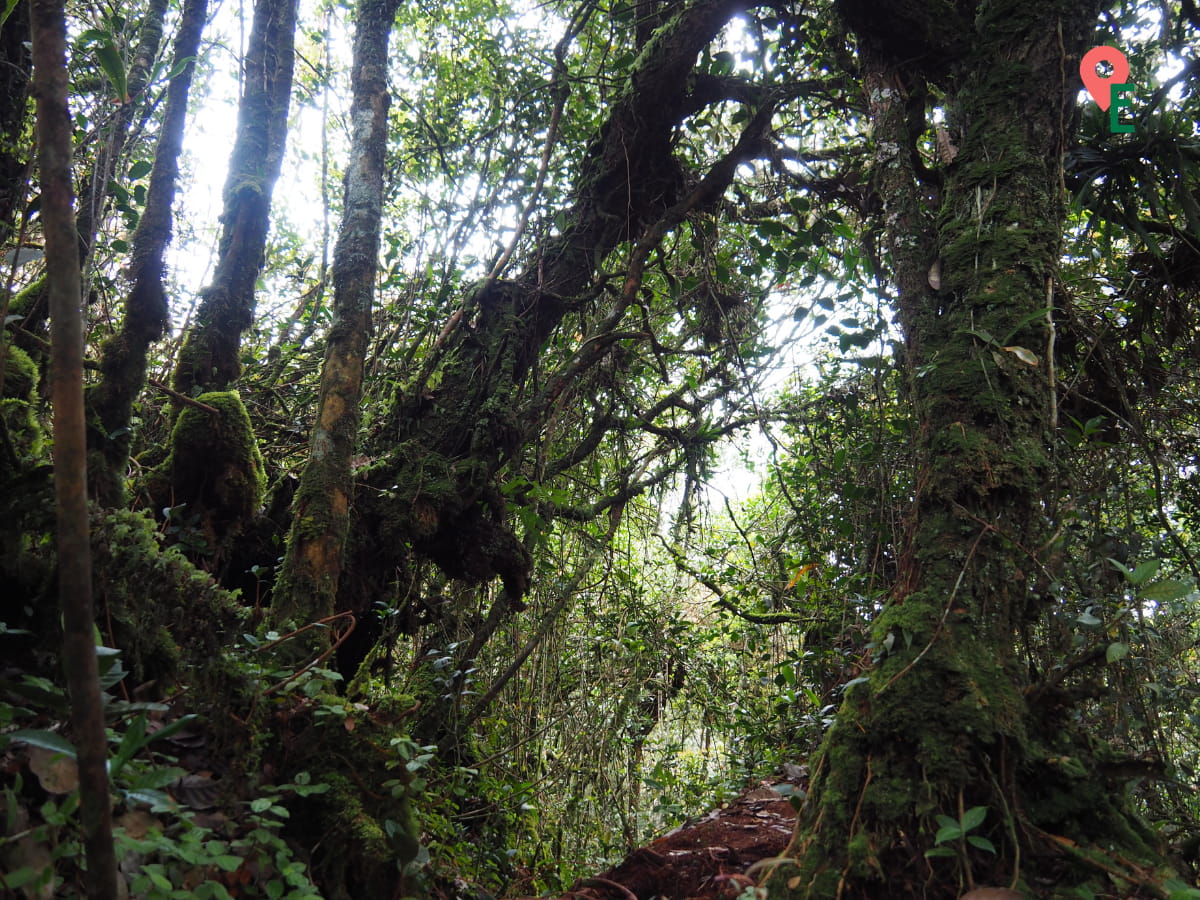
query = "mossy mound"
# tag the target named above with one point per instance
(214, 468)
(22, 430)
(165, 614)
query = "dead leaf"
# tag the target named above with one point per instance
(137, 823)
(1026, 356)
(56, 773)
(196, 791)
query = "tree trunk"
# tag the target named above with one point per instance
(70, 452)
(307, 588)
(208, 360)
(123, 358)
(942, 722)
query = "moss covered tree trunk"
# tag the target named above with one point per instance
(123, 359)
(214, 466)
(208, 360)
(308, 582)
(433, 490)
(942, 722)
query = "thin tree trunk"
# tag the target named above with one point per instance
(123, 358)
(70, 462)
(208, 360)
(94, 189)
(308, 583)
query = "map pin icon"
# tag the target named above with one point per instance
(1100, 86)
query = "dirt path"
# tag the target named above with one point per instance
(704, 859)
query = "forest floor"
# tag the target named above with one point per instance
(706, 858)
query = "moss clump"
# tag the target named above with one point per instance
(22, 304)
(24, 433)
(214, 467)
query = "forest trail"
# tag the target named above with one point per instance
(706, 858)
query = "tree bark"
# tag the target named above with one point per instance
(208, 360)
(942, 721)
(123, 358)
(70, 460)
(308, 582)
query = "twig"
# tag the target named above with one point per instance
(187, 401)
(341, 639)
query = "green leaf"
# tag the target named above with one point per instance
(152, 798)
(114, 67)
(21, 877)
(1116, 650)
(951, 832)
(974, 817)
(940, 851)
(983, 335)
(40, 692)
(1144, 572)
(139, 169)
(8, 10)
(180, 66)
(1122, 568)
(178, 725)
(1166, 590)
(109, 60)
(982, 843)
(46, 740)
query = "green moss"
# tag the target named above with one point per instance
(20, 372)
(346, 808)
(214, 467)
(17, 409)
(166, 615)
(22, 304)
